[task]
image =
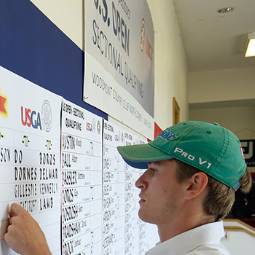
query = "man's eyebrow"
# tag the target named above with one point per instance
(153, 165)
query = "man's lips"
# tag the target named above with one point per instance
(142, 200)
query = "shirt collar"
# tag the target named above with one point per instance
(211, 233)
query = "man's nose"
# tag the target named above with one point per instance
(141, 182)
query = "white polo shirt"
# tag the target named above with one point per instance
(203, 240)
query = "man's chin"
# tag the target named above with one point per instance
(144, 217)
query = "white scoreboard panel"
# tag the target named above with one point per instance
(64, 168)
(123, 231)
(81, 164)
(30, 154)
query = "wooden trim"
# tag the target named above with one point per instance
(176, 111)
(244, 228)
(239, 229)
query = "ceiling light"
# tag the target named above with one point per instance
(250, 52)
(225, 10)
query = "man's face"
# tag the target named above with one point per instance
(161, 196)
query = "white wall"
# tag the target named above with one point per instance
(240, 119)
(221, 85)
(170, 61)
(224, 96)
(66, 15)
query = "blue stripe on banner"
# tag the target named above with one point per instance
(34, 48)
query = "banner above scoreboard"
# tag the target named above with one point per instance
(119, 61)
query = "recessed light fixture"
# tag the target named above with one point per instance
(250, 52)
(225, 10)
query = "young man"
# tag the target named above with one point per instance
(193, 171)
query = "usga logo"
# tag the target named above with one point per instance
(32, 118)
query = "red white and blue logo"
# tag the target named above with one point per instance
(35, 119)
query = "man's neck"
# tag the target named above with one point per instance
(175, 227)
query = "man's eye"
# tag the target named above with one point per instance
(152, 171)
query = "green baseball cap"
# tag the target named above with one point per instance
(208, 147)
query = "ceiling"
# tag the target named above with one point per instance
(212, 40)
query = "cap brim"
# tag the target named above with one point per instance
(139, 155)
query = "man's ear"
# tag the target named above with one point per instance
(196, 185)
